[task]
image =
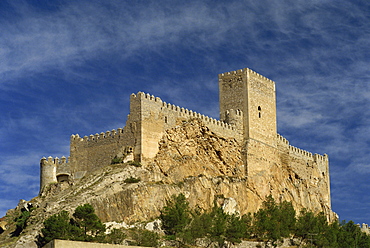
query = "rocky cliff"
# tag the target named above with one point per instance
(191, 160)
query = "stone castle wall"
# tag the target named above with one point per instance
(152, 117)
(310, 170)
(91, 152)
(148, 119)
(247, 114)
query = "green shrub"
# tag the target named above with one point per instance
(117, 160)
(21, 222)
(144, 237)
(135, 163)
(117, 236)
(58, 226)
(132, 180)
(89, 222)
(274, 221)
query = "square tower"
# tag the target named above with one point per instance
(255, 96)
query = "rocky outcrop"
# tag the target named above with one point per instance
(192, 160)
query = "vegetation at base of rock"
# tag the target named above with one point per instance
(186, 227)
(132, 180)
(90, 224)
(274, 221)
(84, 226)
(116, 236)
(144, 237)
(58, 226)
(180, 223)
(175, 216)
(271, 223)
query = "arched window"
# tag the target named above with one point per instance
(62, 178)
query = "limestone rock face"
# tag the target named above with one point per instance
(192, 150)
(192, 160)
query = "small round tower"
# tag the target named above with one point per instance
(48, 171)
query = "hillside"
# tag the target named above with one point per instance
(191, 160)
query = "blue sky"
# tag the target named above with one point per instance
(68, 67)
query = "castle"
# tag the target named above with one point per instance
(247, 114)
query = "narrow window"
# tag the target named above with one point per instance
(165, 119)
(259, 111)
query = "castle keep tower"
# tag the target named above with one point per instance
(255, 96)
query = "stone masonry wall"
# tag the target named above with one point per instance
(310, 171)
(157, 116)
(247, 114)
(91, 152)
(261, 108)
(149, 118)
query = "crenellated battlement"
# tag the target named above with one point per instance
(97, 137)
(316, 157)
(183, 112)
(236, 112)
(324, 158)
(52, 170)
(53, 161)
(300, 152)
(246, 70)
(164, 107)
(282, 140)
(143, 95)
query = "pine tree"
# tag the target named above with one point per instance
(90, 223)
(274, 221)
(58, 226)
(175, 216)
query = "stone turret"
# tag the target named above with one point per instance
(53, 170)
(48, 172)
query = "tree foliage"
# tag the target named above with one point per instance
(316, 231)
(58, 226)
(89, 222)
(274, 221)
(84, 226)
(184, 225)
(144, 237)
(175, 216)
(314, 228)
(116, 236)
(21, 222)
(271, 223)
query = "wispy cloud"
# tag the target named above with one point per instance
(76, 33)
(16, 176)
